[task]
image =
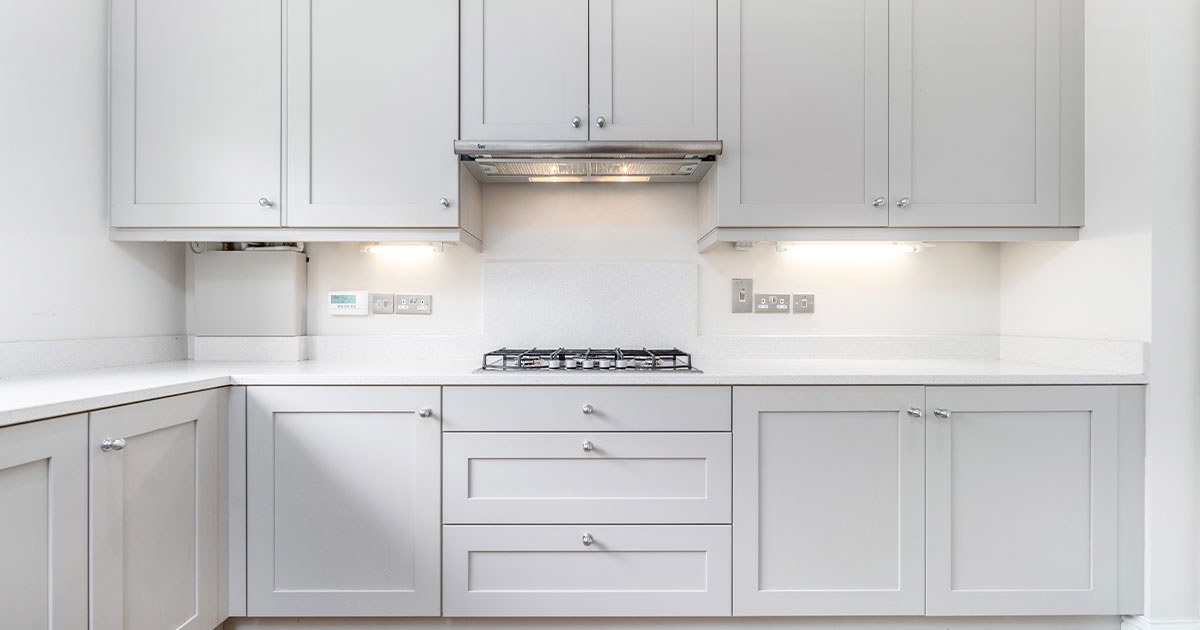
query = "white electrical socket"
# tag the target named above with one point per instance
(408, 304)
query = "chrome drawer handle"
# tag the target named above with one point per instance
(915, 412)
(112, 444)
(588, 410)
(588, 540)
(588, 447)
(941, 413)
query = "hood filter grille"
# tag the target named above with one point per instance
(499, 169)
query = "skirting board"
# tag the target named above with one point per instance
(690, 623)
(1141, 622)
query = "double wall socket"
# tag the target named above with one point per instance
(414, 304)
(772, 302)
(401, 304)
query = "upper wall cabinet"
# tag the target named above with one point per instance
(371, 114)
(196, 113)
(580, 70)
(209, 139)
(900, 114)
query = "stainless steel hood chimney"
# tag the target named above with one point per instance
(590, 161)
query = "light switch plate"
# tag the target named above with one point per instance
(381, 304)
(407, 304)
(772, 302)
(743, 295)
(804, 303)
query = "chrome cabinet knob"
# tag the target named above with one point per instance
(264, 202)
(600, 121)
(879, 202)
(914, 412)
(445, 203)
(902, 203)
(576, 121)
(941, 413)
(588, 540)
(588, 410)
(425, 412)
(588, 447)
(112, 444)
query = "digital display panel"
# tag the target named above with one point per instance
(342, 299)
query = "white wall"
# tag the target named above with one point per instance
(1098, 288)
(60, 277)
(1173, 430)
(952, 289)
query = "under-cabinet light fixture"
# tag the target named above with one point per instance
(403, 250)
(849, 251)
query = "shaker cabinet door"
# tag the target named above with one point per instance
(1021, 501)
(524, 70)
(828, 501)
(155, 514)
(653, 69)
(43, 525)
(803, 101)
(343, 493)
(372, 110)
(987, 113)
(196, 113)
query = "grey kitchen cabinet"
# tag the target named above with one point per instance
(898, 113)
(580, 70)
(343, 500)
(1022, 496)
(372, 108)
(195, 113)
(987, 113)
(156, 513)
(828, 512)
(942, 501)
(43, 524)
(210, 142)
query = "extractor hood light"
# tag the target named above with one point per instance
(849, 251)
(600, 178)
(404, 251)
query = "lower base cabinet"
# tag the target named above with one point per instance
(828, 501)
(1022, 501)
(43, 525)
(942, 501)
(343, 488)
(586, 571)
(155, 514)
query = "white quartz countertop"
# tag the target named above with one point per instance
(27, 398)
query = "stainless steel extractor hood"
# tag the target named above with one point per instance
(493, 162)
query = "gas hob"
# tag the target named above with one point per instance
(587, 360)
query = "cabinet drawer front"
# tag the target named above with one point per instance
(626, 571)
(622, 478)
(551, 408)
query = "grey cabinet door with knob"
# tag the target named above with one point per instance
(371, 113)
(344, 501)
(987, 113)
(196, 112)
(653, 69)
(828, 501)
(524, 70)
(1022, 501)
(43, 524)
(803, 101)
(156, 513)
